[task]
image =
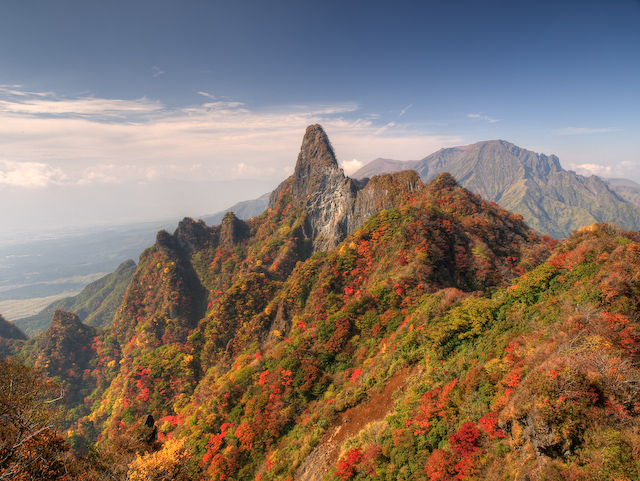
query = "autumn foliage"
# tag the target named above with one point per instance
(520, 358)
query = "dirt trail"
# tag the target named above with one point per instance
(349, 423)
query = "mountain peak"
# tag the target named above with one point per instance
(335, 205)
(316, 148)
(533, 185)
(317, 166)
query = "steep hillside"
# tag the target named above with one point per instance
(550, 199)
(627, 189)
(441, 338)
(8, 330)
(66, 353)
(95, 305)
(233, 338)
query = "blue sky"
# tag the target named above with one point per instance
(103, 96)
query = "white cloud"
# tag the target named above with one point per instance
(591, 169)
(157, 71)
(97, 140)
(625, 169)
(482, 117)
(29, 174)
(350, 166)
(584, 130)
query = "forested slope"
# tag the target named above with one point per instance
(441, 338)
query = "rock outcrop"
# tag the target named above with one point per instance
(336, 205)
(232, 230)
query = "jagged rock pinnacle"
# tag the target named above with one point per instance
(316, 166)
(333, 202)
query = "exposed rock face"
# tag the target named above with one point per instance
(232, 230)
(335, 204)
(321, 186)
(192, 235)
(382, 192)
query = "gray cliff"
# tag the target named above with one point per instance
(335, 204)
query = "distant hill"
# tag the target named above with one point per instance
(95, 305)
(550, 199)
(243, 210)
(627, 189)
(383, 166)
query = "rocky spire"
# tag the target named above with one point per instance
(328, 196)
(320, 186)
(317, 167)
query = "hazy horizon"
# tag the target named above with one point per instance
(122, 112)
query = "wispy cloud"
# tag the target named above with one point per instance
(483, 117)
(404, 110)
(584, 130)
(52, 139)
(157, 72)
(209, 96)
(16, 90)
(386, 127)
(47, 105)
(392, 124)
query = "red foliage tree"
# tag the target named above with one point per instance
(347, 466)
(441, 466)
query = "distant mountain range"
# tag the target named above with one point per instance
(550, 199)
(383, 166)
(244, 210)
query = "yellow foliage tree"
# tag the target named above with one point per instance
(168, 464)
